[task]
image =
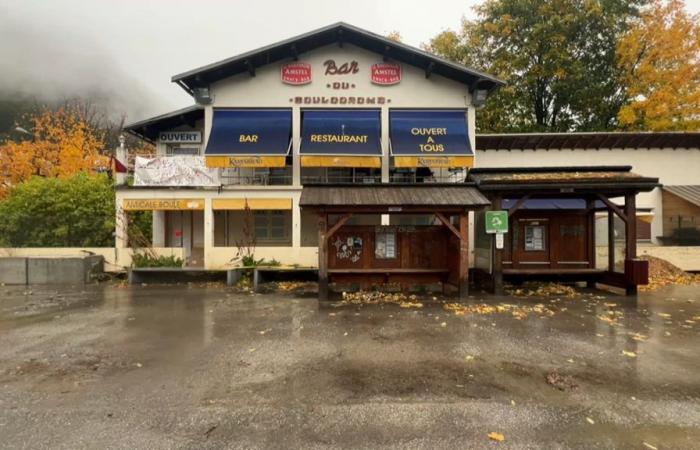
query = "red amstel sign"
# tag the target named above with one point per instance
(296, 73)
(386, 74)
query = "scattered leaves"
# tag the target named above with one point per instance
(536, 289)
(517, 311)
(663, 273)
(373, 298)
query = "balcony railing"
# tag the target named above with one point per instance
(435, 178)
(341, 179)
(255, 180)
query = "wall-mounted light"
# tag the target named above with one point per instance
(202, 95)
(479, 96)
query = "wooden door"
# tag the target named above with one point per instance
(531, 243)
(570, 241)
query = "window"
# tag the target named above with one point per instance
(534, 238)
(171, 150)
(272, 226)
(571, 230)
(385, 245)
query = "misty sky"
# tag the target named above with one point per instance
(127, 50)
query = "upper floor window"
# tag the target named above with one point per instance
(176, 150)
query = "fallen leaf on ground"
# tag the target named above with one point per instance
(561, 382)
(494, 436)
(630, 354)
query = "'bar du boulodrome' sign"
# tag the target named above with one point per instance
(180, 137)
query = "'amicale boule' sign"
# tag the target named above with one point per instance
(386, 74)
(296, 73)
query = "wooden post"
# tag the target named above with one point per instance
(463, 256)
(630, 238)
(611, 241)
(630, 227)
(590, 225)
(497, 271)
(322, 257)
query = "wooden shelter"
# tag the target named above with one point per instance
(370, 255)
(552, 223)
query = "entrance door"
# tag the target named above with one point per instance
(531, 244)
(185, 229)
(570, 245)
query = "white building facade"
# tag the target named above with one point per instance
(338, 105)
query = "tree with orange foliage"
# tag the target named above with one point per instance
(660, 58)
(64, 142)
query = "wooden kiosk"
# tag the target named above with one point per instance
(552, 215)
(407, 255)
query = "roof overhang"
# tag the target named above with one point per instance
(689, 193)
(561, 181)
(340, 33)
(589, 140)
(149, 129)
(393, 199)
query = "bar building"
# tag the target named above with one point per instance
(351, 152)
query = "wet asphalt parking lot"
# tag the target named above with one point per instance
(197, 367)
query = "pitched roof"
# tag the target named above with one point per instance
(556, 179)
(690, 193)
(588, 140)
(427, 195)
(148, 129)
(339, 32)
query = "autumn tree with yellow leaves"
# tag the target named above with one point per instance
(62, 142)
(660, 58)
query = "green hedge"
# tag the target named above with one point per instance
(51, 212)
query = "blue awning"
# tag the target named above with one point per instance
(250, 132)
(429, 133)
(341, 132)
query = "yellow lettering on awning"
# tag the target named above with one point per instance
(340, 161)
(339, 138)
(163, 204)
(436, 162)
(253, 203)
(225, 162)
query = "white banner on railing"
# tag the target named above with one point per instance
(174, 171)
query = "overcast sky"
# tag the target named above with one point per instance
(127, 50)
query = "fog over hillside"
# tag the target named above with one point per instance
(39, 65)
